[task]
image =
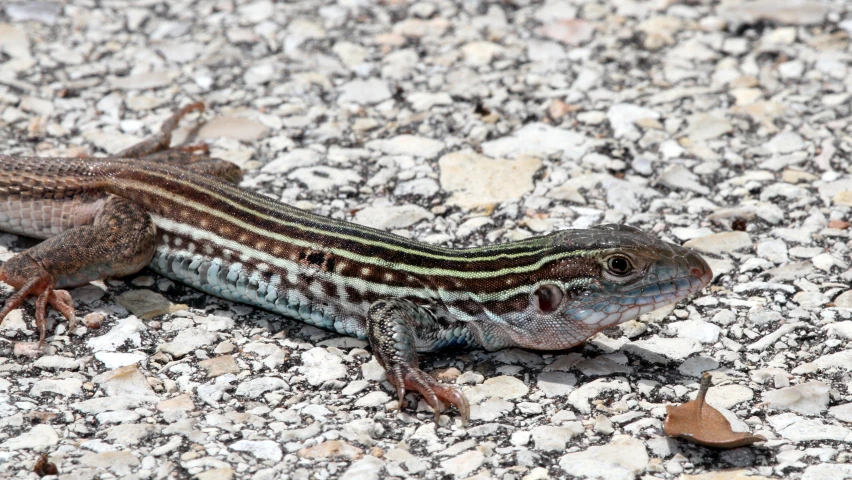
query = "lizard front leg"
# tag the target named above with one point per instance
(120, 241)
(395, 329)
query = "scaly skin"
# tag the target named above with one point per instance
(176, 211)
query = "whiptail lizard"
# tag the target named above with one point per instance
(178, 213)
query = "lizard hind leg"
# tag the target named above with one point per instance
(393, 327)
(120, 241)
(195, 158)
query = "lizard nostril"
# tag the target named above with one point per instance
(696, 272)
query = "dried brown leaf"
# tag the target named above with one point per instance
(699, 423)
(43, 466)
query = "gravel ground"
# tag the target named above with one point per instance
(724, 126)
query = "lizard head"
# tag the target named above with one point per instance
(598, 278)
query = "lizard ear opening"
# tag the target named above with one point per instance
(549, 297)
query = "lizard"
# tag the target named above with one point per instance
(180, 212)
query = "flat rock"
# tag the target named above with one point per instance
(364, 92)
(256, 387)
(623, 117)
(324, 178)
(809, 398)
(539, 140)
(828, 471)
(124, 381)
(662, 349)
(622, 459)
(679, 177)
(146, 304)
(120, 463)
(723, 242)
(188, 341)
(792, 12)
(477, 181)
(220, 365)
(464, 464)
(113, 360)
(67, 387)
(413, 145)
(129, 433)
(392, 217)
(581, 397)
(234, 127)
(368, 468)
(842, 412)
(40, 436)
(798, 429)
(113, 403)
(554, 439)
(556, 384)
(259, 449)
(300, 157)
(143, 81)
(505, 387)
(320, 366)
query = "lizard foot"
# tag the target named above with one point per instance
(392, 326)
(29, 279)
(435, 393)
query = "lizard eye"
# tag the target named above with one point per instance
(619, 265)
(549, 297)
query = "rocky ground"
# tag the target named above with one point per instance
(724, 126)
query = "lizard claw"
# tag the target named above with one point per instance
(30, 282)
(435, 393)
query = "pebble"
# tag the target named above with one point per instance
(124, 381)
(718, 243)
(373, 399)
(259, 449)
(413, 145)
(256, 387)
(660, 349)
(476, 181)
(842, 412)
(704, 332)
(505, 387)
(554, 439)
(556, 384)
(464, 464)
(324, 178)
(537, 140)
(188, 341)
(320, 366)
(622, 458)
(798, 429)
(39, 436)
(364, 92)
(234, 127)
(581, 397)
(809, 398)
(68, 387)
(392, 217)
(146, 304)
(368, 468)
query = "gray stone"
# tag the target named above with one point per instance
(623, 458)
(259, 449)
(320, 366)
(392, 217)
(809, 398)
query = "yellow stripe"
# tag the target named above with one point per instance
(370, 260)
(329, 231)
